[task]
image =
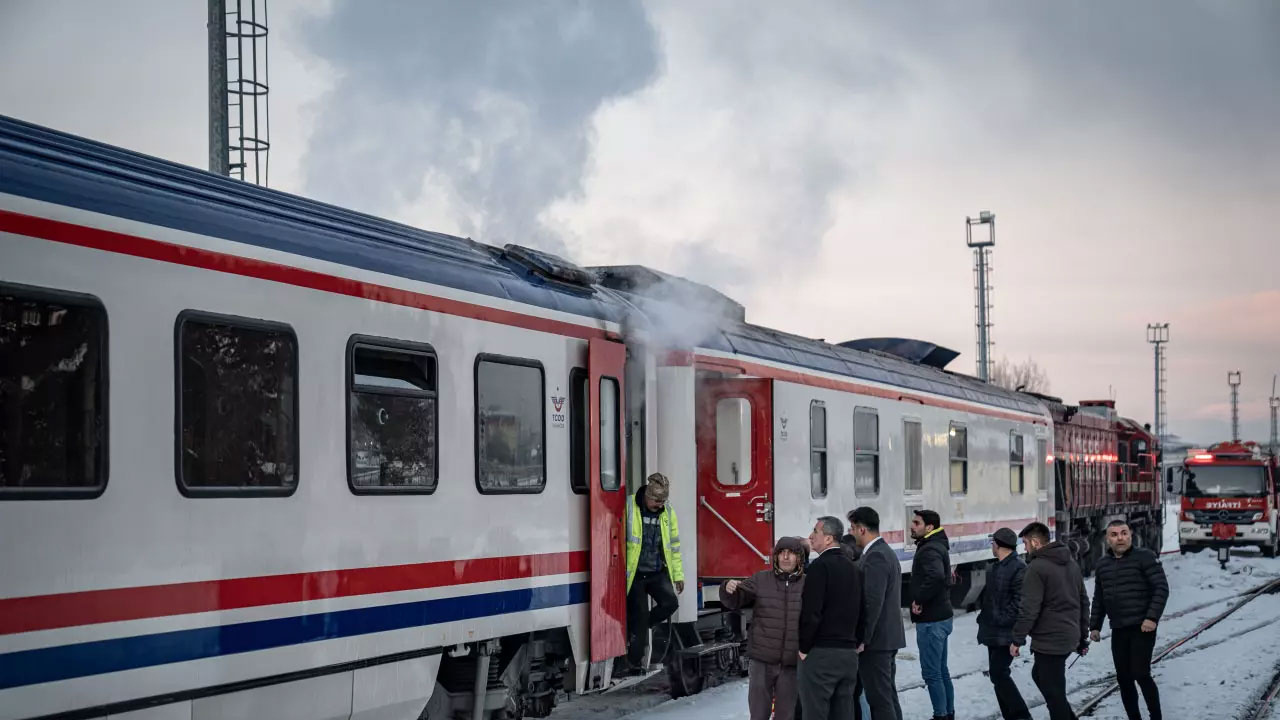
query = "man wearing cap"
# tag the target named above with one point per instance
(1001, 600)
(654, 566)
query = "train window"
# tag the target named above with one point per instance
(510, 427)
(53, 394)
(1041, 464)
(818, 449)
(237, 406)
(610, 438)
(391, 417)
(1017, 467)
(579, 438)
(866, 452)
(958, 444)
(913, 447)
(733, 441)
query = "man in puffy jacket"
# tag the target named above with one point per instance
(1130, 589)
(1001, 600)
(774, 640)
(931, 608)
(1055, 611)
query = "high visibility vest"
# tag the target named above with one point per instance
(670, 542)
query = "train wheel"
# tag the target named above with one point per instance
(684, 676)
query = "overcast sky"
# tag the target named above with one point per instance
(813, 160)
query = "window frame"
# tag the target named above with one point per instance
(826, 476)
(240, 321)
(475, 419)
(576, 375)
(409, 347)
(86, 300)
(1020, 463)
(874, 454)
(751, 439)
(953, 425)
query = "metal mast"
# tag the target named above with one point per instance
(239, 121)
(982, 286)
(1275, 408)
(1158, 335)
(1233, 379)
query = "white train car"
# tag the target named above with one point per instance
(260, 457)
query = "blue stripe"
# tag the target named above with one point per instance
(29, 667)
(962, 546)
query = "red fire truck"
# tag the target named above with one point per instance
(1228, 498)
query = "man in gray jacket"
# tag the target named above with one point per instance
(882, 632)
(1055, 611)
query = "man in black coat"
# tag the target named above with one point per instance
(830, 610)
(882, 632)
(1055, 611)
(931, 609)
(1001, 600)
(1130, 589)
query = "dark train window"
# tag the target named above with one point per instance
(579, 438)
(913, 443)
(1017, 467)
(237, 406)
(958, 448)
(866, 452)
(510, 427)
(817, 449)
(53, 394)
(391, 415)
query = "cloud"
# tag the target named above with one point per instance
(468, 117)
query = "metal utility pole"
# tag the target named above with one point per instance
(1233, 379)
(239, 120)
(982, 285)
(219, 155)
(1275, 408)
(1158, 335)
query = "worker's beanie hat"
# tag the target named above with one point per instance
(658, 486)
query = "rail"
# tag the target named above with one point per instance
(1265, 589)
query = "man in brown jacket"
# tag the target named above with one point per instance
(774, 597)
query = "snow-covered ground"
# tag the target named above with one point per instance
(1217, 675)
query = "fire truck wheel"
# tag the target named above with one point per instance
(1270, 550)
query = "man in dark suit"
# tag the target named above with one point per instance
(830, 608)
(883, 634)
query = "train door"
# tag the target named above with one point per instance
(608, 489)
(734, 433)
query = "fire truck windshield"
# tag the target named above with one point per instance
(1226, 481)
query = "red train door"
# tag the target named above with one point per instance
(734, 430)
(606, 361)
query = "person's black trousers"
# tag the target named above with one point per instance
(1012, 706)
(878, 670)
(1050, 674)
(1131, 650)
(826, 679)
(640, 618)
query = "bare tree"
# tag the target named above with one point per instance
(1025, 375)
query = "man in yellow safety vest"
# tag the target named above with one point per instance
(654, 566)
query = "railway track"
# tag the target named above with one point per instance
(1262, 708)
(1267, 588)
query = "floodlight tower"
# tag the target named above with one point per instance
(982, 285)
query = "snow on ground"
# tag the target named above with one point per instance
(1217, 675)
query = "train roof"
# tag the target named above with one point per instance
(59, 168)
(55, 167)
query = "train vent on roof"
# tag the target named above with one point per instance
(656, 285)
(550, 267)
(915, 351)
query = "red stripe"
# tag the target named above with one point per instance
(768, 371)
(44, 612)
(108, 241)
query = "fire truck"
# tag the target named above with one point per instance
(1228, 498)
